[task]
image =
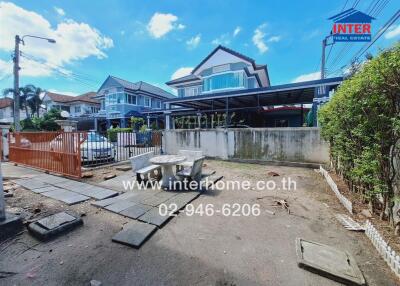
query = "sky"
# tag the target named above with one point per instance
(156, 41)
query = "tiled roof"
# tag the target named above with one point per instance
(143, 86)
(5, 102)
(192, 76)
(183, 79)
(62, 98)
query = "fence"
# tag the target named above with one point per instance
(387, 253)
(56, 152)
(298, 144)
(65, 152)
(103, 148)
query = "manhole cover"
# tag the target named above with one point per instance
(329, 262)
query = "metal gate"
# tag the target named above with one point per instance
(58, 152)
(105, 148)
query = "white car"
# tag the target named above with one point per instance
(94, 148)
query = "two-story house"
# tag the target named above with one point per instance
(121, 99)
(228, 89)
(77, 106)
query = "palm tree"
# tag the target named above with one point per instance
(24, 93)
(34, 101)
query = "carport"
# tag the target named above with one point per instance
(280, 101)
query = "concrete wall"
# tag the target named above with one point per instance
(264, 144)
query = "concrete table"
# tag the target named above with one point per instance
(167, 162)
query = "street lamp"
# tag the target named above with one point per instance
(19, 40)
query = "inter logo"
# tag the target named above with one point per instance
(351, 26)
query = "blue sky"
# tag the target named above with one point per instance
(152, 40)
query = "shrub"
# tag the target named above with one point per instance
(112, 133)
(362, 124)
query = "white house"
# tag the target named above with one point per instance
(7, 112)
(77, 106)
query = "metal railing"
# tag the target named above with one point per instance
(58, 152)
(104, 148)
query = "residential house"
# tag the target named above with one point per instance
(121, 99)
(7, 111)
(78, 106)
(229, 85)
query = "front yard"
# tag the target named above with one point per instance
(196, 249)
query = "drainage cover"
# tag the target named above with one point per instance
(329, 262)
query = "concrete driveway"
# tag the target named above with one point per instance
(198, 250)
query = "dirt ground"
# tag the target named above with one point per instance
(195, 250)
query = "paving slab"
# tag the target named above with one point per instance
(107, 202)
(134, 234)
(45, 189)
(181, 200)
(53, 221)
(66, 196)
(31, 183)
(95, 192)
(135, 211)
(153, 217)
(54, 225)
(119, 206)
(154, 200)
(329, 262)
(51, 179)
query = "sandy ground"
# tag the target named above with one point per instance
(196, 250)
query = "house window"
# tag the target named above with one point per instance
(192, 91)
(131, 99)
(102, 104)
(147, 101)
(181, 92)
(158, 104)
(1, 114)
(224, 81)
(77, 109)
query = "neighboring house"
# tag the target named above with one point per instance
(121, 99)
(222, 70)
(7, 111)
(80, 105)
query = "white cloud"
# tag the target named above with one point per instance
(194, 41)
(307, 77)
(393, 32)
(63, 92)
(161, 24)
(59, 11)
(237, 31)
(74, 41)
(222, 40)
(274, 39)
(183, 71)
(258, 39)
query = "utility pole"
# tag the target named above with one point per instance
(17, 124)
(323, 59)
(2, 203)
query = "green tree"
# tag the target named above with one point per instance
(362, 124)
(34, 101)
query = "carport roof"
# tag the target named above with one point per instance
(293, 93)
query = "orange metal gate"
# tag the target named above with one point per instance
(58, 152)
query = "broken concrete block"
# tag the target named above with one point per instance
(54, 225)
(109, 176)
(123, 168)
